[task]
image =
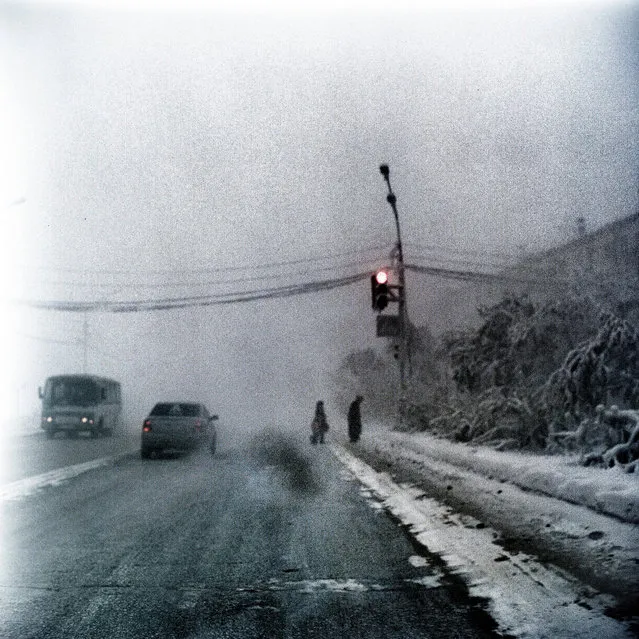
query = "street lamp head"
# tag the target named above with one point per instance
(383, 169)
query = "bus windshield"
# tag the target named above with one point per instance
(71, 392)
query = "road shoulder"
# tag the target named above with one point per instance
(597, 549)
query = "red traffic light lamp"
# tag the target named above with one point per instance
(381, 277)
(379, 290)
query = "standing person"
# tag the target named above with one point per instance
(355, 419)
(319, 425)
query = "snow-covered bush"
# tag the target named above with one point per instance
(602, 370)
(496, 370)
(518, 344)
(532, 376)
(620, 430)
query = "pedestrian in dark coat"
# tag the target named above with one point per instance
(355, 419)
(319, 425)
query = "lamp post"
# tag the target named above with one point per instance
(404, 354)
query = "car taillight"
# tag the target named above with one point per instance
(146, 427)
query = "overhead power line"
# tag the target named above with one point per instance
(133, 306)
(483, 252)
(476, 276)
(219, 282)
(458, 262)
(444, 266)
(221, 269)
(136, 306)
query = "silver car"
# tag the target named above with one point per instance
(178, 426)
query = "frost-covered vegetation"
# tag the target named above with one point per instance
(558, 376)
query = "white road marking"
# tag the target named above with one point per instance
(29, 486)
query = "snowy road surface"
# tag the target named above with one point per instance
(271, 539)
(275, 539)
(26, 455)
(485, 489)
(527, 598)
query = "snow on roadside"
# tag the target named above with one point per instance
(611, 491)
(527, 599)
(598, 549)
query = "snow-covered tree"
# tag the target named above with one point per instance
(518, 344)
(602, 370)
(532, 375)
(558, 375)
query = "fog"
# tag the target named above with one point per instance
(154, 155)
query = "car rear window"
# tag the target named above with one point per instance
(176, 410)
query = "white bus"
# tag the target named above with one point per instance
(80, 403)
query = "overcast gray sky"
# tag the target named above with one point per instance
(141, 149)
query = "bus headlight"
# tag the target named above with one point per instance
(87, 420)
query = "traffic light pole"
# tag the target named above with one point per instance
(404, 355)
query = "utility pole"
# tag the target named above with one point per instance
(404, 351)
(85, 339)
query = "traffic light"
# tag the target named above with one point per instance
(379, 290)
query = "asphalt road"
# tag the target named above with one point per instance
(33, 454)
(269, 538)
